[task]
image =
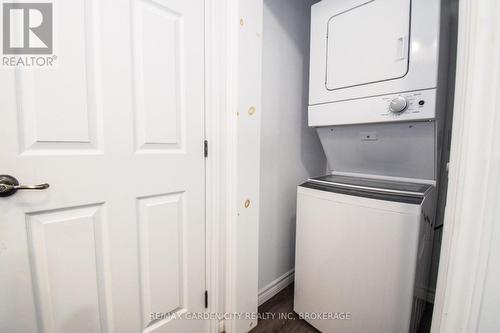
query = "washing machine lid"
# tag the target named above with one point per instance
(373, 188)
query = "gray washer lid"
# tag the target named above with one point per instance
(374, 185)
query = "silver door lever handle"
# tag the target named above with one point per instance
(9, 186)
(32, 187)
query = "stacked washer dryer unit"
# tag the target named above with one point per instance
(364, 232)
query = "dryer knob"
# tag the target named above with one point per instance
(398, 104)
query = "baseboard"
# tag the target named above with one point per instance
(276, 286)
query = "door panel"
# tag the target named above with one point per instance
(57, 240)
(39, 91)
(160, 234)
(117, 130)
(368, 43)
(159, 86)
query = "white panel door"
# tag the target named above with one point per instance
(367, 41)
(116, 129)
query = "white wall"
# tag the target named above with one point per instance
(488, 317)
(290, 151)
(468, 289)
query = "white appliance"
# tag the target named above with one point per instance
(378, 73)
(382, 53)
(359, 243)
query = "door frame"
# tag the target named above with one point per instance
(474, 172)
(218, 164)
(233, 95)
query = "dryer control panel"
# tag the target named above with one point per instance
(414, 105)
(414, 102)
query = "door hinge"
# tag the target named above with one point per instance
(206, 299)
(205, 149)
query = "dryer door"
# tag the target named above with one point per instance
(368, 42)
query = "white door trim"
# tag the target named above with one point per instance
(233, 51)
(212, 164)
(215, 135)
(230, 59)
(221, 164)
(474, 171)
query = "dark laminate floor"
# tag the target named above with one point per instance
(282, 303)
